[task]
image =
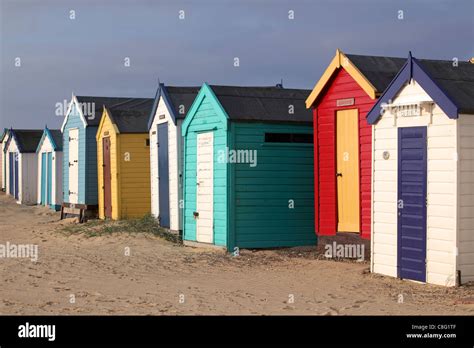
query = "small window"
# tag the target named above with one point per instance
(147, 142)
(289, 138)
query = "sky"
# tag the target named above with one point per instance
(50, 49)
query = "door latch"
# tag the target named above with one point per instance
(338, 175)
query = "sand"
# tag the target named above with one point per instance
(76, 274)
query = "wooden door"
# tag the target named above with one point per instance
(49, 176)
(348, 189)
(16, 158)
(205, 188)
(163, 176)
(412, 198)
(11, 173)
(43, 178)
(73, 165)
(107, 175)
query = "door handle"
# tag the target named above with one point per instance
(338, 175)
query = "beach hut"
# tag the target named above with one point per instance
(80, 190)
(50, 167)
(248, 168)
(423, 179)
(3, 143)
(123, 159)
(340, 100)
(21, 164)
(166, 153)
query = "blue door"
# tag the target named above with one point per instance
(49, 178)
(163, 176)
(43, 178)
(15, 184)
(11, 173)
(412, 201)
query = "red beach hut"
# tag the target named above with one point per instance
(341, 99)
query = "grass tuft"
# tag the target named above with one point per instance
(147, 224)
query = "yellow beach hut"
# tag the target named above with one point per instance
(123, 159)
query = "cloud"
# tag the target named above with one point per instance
(86, 55)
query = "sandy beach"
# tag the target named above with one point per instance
(139, 273)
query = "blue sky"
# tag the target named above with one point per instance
(86, 55)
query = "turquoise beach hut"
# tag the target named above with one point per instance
(50, 167)
(248, 168)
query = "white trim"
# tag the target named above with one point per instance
(457, 200)
(372, 173)
(75, 101)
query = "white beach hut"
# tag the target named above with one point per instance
(423, 174)
(166, 152)
(22, 164)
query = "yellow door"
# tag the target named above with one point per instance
(348, 201)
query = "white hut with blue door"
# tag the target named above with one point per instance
(50, 161)
(423, 174)
(166, 153)
(22, 164)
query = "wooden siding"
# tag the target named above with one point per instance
(134, 176)
(206, 118)
(262, 194)
(28, 168)
(74, 121)
(342, 86)
(2, 161)
(441, 209)
(12, 148)
(175, 155)
(3, 183)
(27, 175)
(466, 198)
(57, 168)
(106, 127)
(91, 190)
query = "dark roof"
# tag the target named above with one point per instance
(3, 134)
(132, 116)
(27, 139)
(263, 103)
(57, 138)
(456, 81)
(94, 106)
(181, 96)
(451, 87)
(380, 71)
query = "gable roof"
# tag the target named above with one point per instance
(372, 73)
(90, 107)
(174, 97)
(451, 87)
(263, 103)
(26, 139)
(94, 106)
(55, 136)
(131, 116)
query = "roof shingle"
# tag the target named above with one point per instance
(264, 103)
